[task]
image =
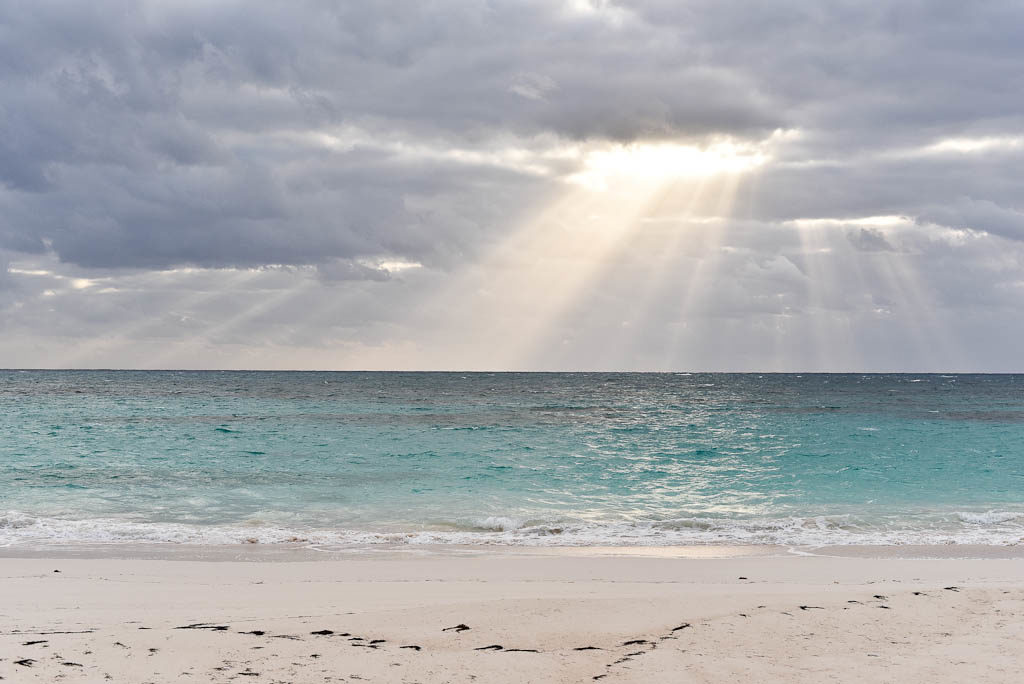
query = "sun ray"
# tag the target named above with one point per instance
(820, 314)
(593, 264)
(669, 235)
(514, 299)
(101, 350)
(916, 308)
(185, 353)
(705, 269)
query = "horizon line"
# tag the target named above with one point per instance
(521, 372)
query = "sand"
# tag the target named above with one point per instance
(511, 616)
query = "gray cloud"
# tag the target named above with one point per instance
(869, 240)
(974, 214)
(133, 113)
(312, 144)
(143, 135)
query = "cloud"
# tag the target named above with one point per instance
(155, 135)
(983, 215)
(869, 240)
(173, 153)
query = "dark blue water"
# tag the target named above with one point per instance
(354, 458)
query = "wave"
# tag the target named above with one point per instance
(989, 517)
(1000, 528)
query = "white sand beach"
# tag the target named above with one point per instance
(641, 615)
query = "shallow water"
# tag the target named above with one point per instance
(343, 459)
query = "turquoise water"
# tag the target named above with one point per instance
(341, 459)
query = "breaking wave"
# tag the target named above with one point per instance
(1001, 528)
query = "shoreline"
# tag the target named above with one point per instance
(300, 552)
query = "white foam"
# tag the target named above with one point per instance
(499, 523)
(990, 517)
(988, 528)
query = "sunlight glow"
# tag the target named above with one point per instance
(631, 216)
(866, 221)
(971, 145)
(391, 265)
(644, 163)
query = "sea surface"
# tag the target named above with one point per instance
(341, 460)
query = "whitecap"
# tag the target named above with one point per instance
(989, 517)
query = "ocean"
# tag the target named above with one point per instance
(338, 460)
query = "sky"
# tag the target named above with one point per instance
(660, 185)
